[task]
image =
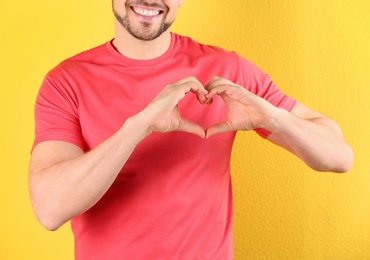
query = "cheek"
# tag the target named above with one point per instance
(119, 6)
(172, 14)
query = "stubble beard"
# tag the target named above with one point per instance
(145, 33)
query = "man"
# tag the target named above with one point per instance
(133, 140)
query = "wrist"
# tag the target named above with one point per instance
(279, 121)
(140, 125)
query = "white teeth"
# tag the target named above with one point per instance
(144, 12)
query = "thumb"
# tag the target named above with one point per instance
(193, 128)
(219, 128)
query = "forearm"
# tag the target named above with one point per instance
(65, 189)
(64, 182)
(317, 141)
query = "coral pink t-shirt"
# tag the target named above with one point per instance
(173, 198)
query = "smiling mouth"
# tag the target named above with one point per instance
(146, 12)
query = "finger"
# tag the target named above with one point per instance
(219, 90)
(218, 86)
(198, 88)
(194, 85)
(219, 128)
(234, 92)
(214, 81)
(176, 92)
(191, 84)
(193, 128)
(188, 79)
(199, 91)
(217, 81)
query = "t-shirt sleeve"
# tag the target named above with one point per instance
(259, 83)
(56, 114)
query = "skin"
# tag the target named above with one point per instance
(60, 172)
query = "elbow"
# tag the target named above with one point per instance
(340, 168)
(340, 164)
(44, 208)
(46, 215)
(48, 223)
(345, 161)
(47, 219)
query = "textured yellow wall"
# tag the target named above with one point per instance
(317, 51)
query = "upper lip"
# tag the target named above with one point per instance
(153, 6)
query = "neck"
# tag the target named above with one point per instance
(137, 49)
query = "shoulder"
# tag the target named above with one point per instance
(94, 56)
(68, 76)
(89, 55)
(193, 47)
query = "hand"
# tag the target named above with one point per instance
(245, 110)
(163, 113)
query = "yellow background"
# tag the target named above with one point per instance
(317, 51)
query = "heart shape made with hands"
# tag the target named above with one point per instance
(217, 128)
(241, 106)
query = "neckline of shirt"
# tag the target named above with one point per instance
(151, 62)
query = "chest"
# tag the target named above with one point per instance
(106, 100)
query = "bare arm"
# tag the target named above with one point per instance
(64, 181)
(313, 137)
